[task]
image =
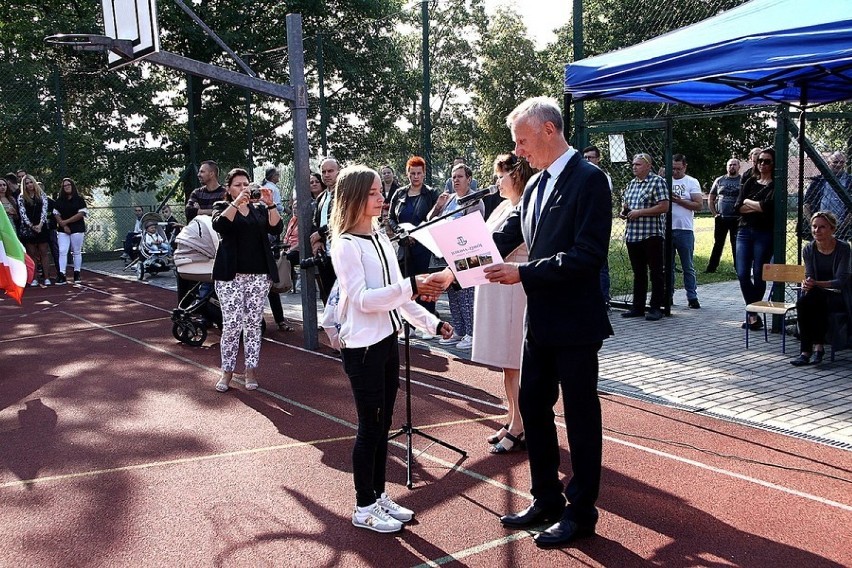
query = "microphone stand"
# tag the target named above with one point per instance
(407, 428)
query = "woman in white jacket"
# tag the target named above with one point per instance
(374, 297)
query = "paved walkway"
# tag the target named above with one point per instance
(697, 360)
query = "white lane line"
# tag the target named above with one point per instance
(475, 475)
(122, 297)
(177, 461)
(730, 473)
(84, 330)
(461, 554)
(452, 466)
(448, 392)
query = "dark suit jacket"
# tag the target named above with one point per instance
(565, 305)
(236, 236)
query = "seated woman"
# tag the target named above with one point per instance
(827, 268)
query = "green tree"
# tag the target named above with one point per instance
(508, 75)
(455, 32)
(59, 113)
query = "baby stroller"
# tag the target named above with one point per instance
(198, 305)
(154, 247)
(195, 250)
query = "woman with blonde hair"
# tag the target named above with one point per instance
(374, 297)
(827, 272)
(498, 336)
(33, 208)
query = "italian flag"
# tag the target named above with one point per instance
(13, 265)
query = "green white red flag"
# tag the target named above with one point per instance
(13, 265)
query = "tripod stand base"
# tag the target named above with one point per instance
(410, 431)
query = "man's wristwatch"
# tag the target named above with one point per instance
(270, 207)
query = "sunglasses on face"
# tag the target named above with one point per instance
(764, 161)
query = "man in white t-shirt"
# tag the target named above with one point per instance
(686, 200)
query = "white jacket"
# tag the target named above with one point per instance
(373, 292)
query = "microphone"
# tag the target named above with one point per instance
(477, 195)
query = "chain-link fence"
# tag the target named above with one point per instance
(127, 136)
(828, 137)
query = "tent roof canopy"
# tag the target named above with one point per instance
(762, 52)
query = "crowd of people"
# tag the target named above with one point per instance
(551, 222)
(48, 226)
(743, 210)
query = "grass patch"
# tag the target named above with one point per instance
(621, 275)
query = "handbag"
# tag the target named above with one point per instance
(285, 278)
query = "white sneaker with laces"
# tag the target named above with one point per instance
(34, 283)
(394, 509)
(47, 282)
(451, 340)
(465, 343)
(376, 519)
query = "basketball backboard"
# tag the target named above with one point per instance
(133, 20)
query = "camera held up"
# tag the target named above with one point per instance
(320, 259)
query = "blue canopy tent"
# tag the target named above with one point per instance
(762, 52)
(780, 52)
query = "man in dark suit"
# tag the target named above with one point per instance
(565, 221)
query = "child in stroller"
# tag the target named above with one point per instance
(154, 249)
(155, 242)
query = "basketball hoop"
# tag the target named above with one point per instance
(93, 42)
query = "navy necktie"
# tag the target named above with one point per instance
(539, 196)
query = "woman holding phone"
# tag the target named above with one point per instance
(374, 297)
(243, 270)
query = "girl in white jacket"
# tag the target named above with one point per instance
(374, 297)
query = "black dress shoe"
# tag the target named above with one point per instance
(632, 314)
(802, 360)
(531, 516)
(655, 314)
(563, 533)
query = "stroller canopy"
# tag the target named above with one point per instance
(199, 236)
(195, 249)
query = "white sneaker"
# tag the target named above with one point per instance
(47, 282)
(394, 509)
(376, 519)
(450, 341)
(34, 283)
(425, 335)
(465, 343)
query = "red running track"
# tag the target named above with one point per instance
(116, 451)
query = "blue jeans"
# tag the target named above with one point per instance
(683, 243)
(754, 249)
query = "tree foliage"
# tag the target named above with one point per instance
(63, 113)
(508, 75)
